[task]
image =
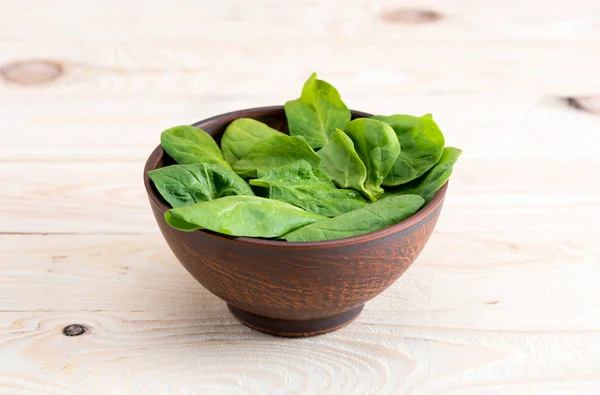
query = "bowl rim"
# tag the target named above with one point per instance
(419, 216)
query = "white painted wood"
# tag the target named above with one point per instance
(504, 298)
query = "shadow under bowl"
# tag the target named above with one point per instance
(292, 289)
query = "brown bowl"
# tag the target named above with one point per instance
(292, 289)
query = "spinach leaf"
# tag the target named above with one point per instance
(428, 184)
(317, 112)
(372, 217)
(184, 185)
(377, 146)
(272, 152)
(241, 134)
(341, 162)
(421, 143)
(250, 216)
(188, 144)
(304, 186)
(179, 223)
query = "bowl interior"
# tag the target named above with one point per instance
(274, 117)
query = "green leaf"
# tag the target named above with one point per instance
(304, 186)
(241, 135)
(184, 185)
(189, 144)
(250, 216)
(421, 143)
(272, 152)
(341, 163)
(180, 224)
(428, 184)
(377, 146)
(317, 112)
(372, 217)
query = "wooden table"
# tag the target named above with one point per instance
(505, 299)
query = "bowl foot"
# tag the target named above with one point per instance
(295, 328)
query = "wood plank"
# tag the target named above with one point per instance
(91, 197)
(504, 298)
(93, 128)
(467, 20)
(196, 48)
(521, 328)
(357, 67)
(74, 197)
(510, 275)
(210, 353)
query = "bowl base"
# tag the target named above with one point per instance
(295, 328)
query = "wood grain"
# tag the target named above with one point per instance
(504, 298)
(197, 67)
(159, 331)
(486, 125)
(139, 273)
(93, 197)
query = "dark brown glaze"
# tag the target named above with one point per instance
(295, 328)
(293, 289)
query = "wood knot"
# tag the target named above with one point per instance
(31, 72)
(74, 330)
(410, 16)
(584, 103)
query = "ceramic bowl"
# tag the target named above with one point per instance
(292, 289)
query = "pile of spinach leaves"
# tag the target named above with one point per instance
(329, 178)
